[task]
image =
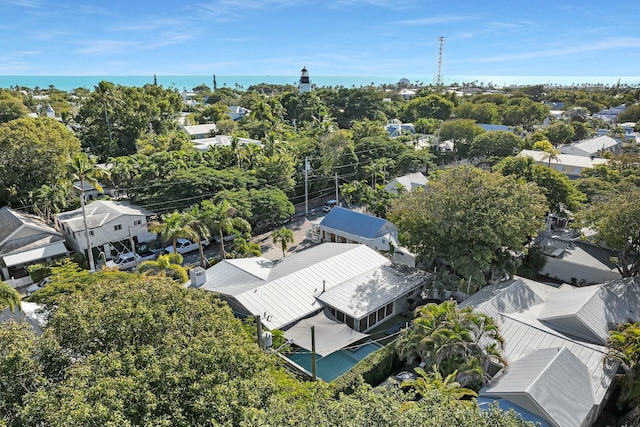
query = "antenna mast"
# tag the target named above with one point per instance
(440, 52)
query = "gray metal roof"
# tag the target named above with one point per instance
(291, 290)
(409, 182)
(356, 223)
(590, 312)
(551, 383)
(99, 213)
(372, 290)
(516, 311)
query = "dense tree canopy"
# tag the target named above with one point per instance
(125, 349)
(471, 221)
(33, 152)
(617, 224)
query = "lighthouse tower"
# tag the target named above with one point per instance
(305, 84)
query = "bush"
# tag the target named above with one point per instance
(374, 369)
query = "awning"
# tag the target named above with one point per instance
(331, 335)
(36, 254)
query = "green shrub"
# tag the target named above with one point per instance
(374, 369)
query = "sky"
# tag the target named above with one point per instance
(329, 37)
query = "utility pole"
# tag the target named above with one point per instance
(133, 248)
(337, 194)
(259, 323)
(92, 266)
(313, 353)
(306, 186)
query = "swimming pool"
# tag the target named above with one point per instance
(332, 366)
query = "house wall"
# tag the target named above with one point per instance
(565, 271)
(380, 243)
(112, 231)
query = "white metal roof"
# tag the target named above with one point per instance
(35, 254)
(516, 311)
(199, 129)
(564, 159)
(99, 213)
(366, 293)
(291, 289)
(551, 383)
(590, 146)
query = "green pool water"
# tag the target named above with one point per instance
(332, 366)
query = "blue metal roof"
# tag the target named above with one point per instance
(491, 127)
(355, 223)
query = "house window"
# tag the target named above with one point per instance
(383, 241)
(363, 324)
(137, 222)
(372, 319)
(340, 316)
(332, 311)
(350, 322)
(117, 227)
(389, 309)
(91, 233)
(381, 314)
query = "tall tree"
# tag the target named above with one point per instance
(617, 225)
(470, 221)
(174, 226)
(221, 220)
(284, 237)
(82, 168)
(623, 347)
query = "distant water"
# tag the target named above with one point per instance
(67, 83)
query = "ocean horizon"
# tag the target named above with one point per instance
(187, 82)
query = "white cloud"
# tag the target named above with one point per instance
(436, 20)
(23, 3)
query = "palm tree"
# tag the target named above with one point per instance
(82, 168)
(166, 266)
(453, 339)
(9, 297)
(551, 155)
(221, 221)
(284, 237)
(245, 249)
(447, 387)
(200, 233)
(174, 226)
(47, 200)
(623, 347)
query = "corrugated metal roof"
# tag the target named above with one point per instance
(356, 223)
(524, 333)
(293, 285)
(98, 213)
(11, 220)
(372, 290)
(563, 159)
(408, 182)
(552, 383)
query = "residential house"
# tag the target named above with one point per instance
(396, 128)
(492, 127)
(407, 183)
(609, 114)
(90, 192)
(407, 93)
(237, 112)
(555, 345)
(570, 165)
(204, 144)
(573, 260)
(358, 286)
(200, 131)
(592, 147)
(24, 240)
(346, 226)
(112, 225)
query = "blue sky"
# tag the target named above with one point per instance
(339, 37)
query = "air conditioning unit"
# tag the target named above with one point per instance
(198, 276)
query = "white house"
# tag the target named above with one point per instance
(24, 240)
(570, 165)
(358, 286)
(200, 131)
(555, 344)
(408, 182)
(591, 147)
(346, 226)
(237, 112)
(111, 226)
(203, 144)
(396, 128)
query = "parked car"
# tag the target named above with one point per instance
(329, 205)
(124, 261)
(224, 238)
(37, 286)
(185, 245)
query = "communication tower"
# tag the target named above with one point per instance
(440, 52)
